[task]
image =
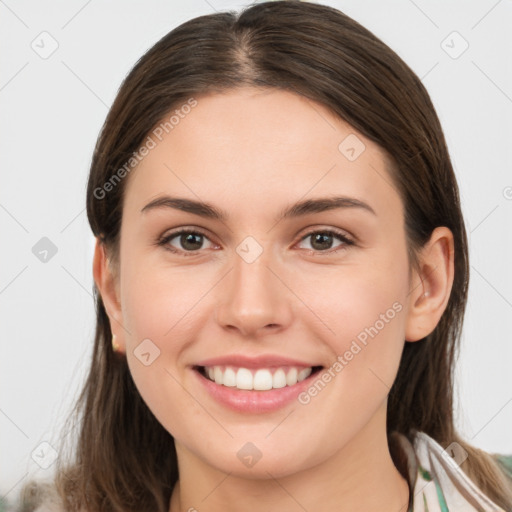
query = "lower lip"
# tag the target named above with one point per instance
(253, 401)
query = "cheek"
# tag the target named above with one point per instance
(163, 313)
(370, 308)
(161, 301)
(363, 308)
(354, 297)
(157, 309)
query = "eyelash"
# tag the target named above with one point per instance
(164, 241)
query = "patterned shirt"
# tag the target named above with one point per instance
(437, 483)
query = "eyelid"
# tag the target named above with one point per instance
(328, 229)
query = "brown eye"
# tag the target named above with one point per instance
(190, 241)
(186, 242)
(322, 241)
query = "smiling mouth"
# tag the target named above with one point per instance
(261, 379)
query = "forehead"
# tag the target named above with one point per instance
(252, 147)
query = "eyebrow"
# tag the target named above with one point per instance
(298, 209)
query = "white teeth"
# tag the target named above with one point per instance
(291, 377)
(304, 374)
(261, 379)
(279, 379)
(218, 375)
(243, 378)
(229, 378)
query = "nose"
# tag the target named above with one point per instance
(254, 299)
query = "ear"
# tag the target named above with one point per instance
(431, 285)
(108, 286)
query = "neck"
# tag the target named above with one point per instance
(361, 476)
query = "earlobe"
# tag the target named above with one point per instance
(431, 285)
(108, 288)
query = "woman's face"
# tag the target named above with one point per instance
(259, 298)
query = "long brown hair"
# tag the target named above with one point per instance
(124, 459)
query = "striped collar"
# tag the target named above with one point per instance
(437, 482)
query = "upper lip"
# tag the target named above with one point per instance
(261, 361)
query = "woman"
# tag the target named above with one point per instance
(281, 271)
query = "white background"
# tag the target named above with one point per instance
(52, 111)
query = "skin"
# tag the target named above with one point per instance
(252, 153)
